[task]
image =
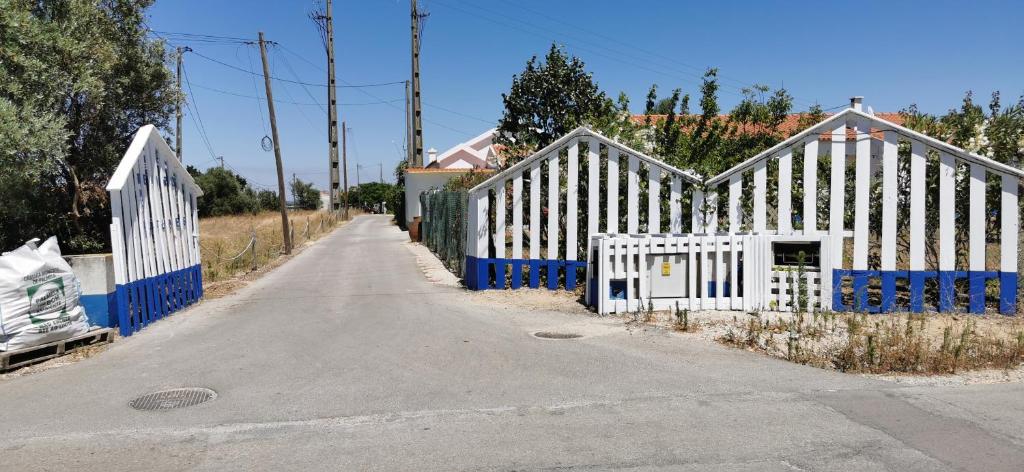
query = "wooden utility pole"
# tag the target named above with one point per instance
(417, 123)
(344, 163)
(181, 95)
(332, 109)
(277, 148)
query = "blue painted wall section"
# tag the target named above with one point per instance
(916, 280)
(145, 301)
(479, 269)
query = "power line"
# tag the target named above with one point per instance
(311, 84)
(198, 117)
(615, 55)
(459, 113)
(253, 97)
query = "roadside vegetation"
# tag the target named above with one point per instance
(235, 245)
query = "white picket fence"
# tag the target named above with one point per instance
(873, 152)
(631, 273)
(154, 233)
(488, 258)
(868, 144)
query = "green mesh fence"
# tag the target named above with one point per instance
(443, 227)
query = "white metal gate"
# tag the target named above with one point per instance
(706, 272)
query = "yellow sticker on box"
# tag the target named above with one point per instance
(666, 269)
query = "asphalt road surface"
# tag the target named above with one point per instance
(347, 358)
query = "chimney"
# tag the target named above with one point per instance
(857, 102)
(431, 156)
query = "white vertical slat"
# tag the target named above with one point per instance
(654, 200)
(630, 270)
(785, 297)
(572, 216)
(890, 194)
(734, 270)
(633, 196)
(711, 217)
(675, 206)
(760, 195)
(719, 272)
(735, 210)
(613, 190)
(825, 300)
(146, 232)
(553, 194)
(476, 234)
(189, 232)
(132, 236)
(810, 215)
(691, 271)
(117, 242)
(162, 214)
(837, 192)
(517, 216)
(706, 244)
(593, 189)
(862, 184)
(917, 201)
(643, 291)
(785, 206)
(499, 221)
(947, 211)
(196, 249)
(976, 228)
(1008, 220)
(535, 197)
(697, 220)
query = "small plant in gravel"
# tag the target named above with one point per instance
(682, 319)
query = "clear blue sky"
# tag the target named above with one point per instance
(893, 53)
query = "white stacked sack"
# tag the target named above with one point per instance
(38, 297)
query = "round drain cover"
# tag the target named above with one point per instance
(554, 335)
(175, 398)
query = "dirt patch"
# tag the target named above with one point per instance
(533, 299)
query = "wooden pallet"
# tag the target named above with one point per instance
(31, 355)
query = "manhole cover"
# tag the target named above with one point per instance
(554, 335)
(175, 398)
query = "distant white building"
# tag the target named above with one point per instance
(477, 153)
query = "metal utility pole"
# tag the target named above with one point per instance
(344, 163)
(181, 95)
(417, 124)
(408, 128)
(221, 159)
(381, 166)
(277, 148)
(359, 167)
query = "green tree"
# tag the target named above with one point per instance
(305, 195)
(266, 200)
(224, 193)
(546, 101)
(77, 79)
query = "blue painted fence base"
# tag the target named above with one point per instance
(946, 281)
(144, 301)
(479, 269)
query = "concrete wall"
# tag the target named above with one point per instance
(95, 273)
(416, 184)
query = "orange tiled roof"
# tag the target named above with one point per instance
(789, 126)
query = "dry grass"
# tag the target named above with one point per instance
(922, 344)
(226, 240)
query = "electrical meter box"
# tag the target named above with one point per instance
(667, 275)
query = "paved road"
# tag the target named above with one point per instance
(346, 358)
